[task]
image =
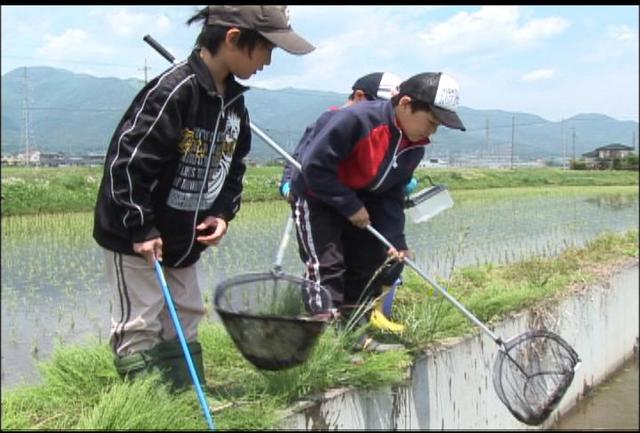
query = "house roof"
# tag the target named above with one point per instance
(592, 154)
(614, 146)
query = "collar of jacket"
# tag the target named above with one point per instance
(204, 78)
(405, 142)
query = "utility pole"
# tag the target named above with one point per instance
(145, 69)
(487, 135)
(573, 144)
(564, 148)
(25, 115)
(513, 127)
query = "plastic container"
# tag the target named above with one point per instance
(428, 202)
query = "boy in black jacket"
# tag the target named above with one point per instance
(173, 180)
(354, 171)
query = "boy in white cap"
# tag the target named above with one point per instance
(355, 168)
(370, 87)
(173, 181)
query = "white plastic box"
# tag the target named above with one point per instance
(427, 203)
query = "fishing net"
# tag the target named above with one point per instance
(274, 319)
(532, 372)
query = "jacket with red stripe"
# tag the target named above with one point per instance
(360, 157)
(175, 158)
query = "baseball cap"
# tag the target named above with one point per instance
(270, 21)
(379, 85)
(438, 90)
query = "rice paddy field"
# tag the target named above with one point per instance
(54, 290)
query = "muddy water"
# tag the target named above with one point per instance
(613, 405)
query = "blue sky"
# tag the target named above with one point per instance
(552, 61)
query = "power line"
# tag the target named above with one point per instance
(65, 109)
(80, 62)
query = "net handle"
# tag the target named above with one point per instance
(457, 304)
(443, 291)
(277, 265)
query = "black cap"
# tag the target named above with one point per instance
(438, 90)
(378, 85)
(272, 22)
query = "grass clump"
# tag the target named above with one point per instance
(490, 292)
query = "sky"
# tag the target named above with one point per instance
(551, 61)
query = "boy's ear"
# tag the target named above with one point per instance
(231, 38)
(404, 104)
(405, 100)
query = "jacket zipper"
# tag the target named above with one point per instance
(393, 163)
(204, 180)
(221, 115)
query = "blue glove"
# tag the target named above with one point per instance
(284, 189)
(410, 186)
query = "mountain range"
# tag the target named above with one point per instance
(77, 114)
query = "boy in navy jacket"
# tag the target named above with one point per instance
(354, 170)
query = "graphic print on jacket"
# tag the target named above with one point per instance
(194, 151)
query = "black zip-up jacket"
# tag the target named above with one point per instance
(175, 158)
(358, 156)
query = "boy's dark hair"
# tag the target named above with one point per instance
(212, 36)
(367, 96)
(415, 105)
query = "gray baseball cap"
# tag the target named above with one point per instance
(272, 22)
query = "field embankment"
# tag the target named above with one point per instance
(74, 189)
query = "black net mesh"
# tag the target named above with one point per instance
(532, 374)
(273, 319)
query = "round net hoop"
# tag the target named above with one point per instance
(532, 372)
(274, 319)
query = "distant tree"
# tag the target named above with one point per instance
(578, 164)
(630, 162)
(616, 164)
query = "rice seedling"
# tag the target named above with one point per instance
(504, 226)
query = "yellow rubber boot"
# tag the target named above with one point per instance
(379, 321)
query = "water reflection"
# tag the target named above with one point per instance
(54, 289)
(611, 406)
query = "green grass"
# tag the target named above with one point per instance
(74, 189)
(482, 178)
(80, 387)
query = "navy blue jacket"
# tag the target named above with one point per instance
(359, 157)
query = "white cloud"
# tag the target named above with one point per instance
(538, 74)
(623, 33)
(490, 28)
(72, 43)
(616, 42)
(540, 29)
(124, 22)
(325, 69)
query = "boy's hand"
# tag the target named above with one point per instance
(150, 249)
(398, 255)
(284, 190)
(360, 219)
(211, 230)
